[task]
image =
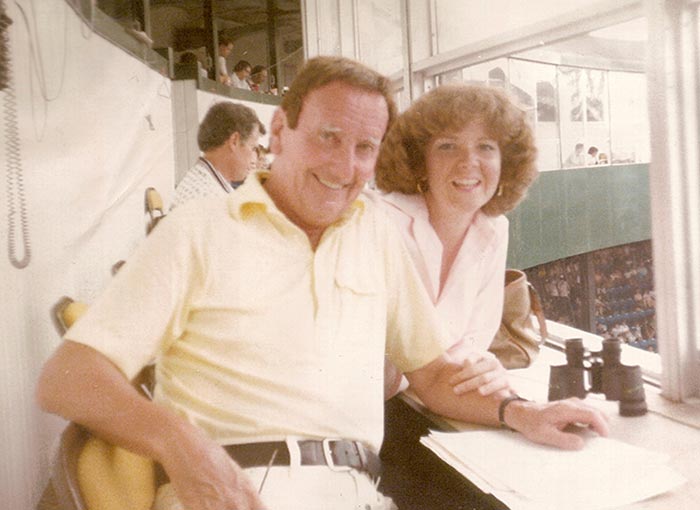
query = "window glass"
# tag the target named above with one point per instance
(380, 35)
(583, 103)
(125, 12)
(328, 34)
(571, 120)
(461, 23)
(595, 93)
(534, 86)
(629, 124)
(451, 77)
(491, 73)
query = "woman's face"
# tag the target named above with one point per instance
(464, 168)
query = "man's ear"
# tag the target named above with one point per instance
(279, 122)
(234, 139)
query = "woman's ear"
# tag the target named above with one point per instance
(277, 127)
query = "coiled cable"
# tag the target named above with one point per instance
(16, 199)
(5, 23)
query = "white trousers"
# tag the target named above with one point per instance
(303, 488)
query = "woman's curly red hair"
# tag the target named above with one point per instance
(448, 109)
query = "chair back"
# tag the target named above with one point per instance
(89, 473)
(64, 476)
(154, 207)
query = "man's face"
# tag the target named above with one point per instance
(225, 49)
(244, 151)
(260, 77)
(244, 73)
(321, 166)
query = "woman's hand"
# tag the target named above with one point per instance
(482, 372)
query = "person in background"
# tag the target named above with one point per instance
(454, 162)
(258, 79)
(228, 137)
(592, 156)
(190, 58)
(603, 159)
(241, 73)
(576, 158)
(273, 85)
(268, 313)
(225, 48)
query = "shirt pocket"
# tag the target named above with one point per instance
(359, 308)
(359, 323)
(356, 282)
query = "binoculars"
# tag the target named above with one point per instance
(598, 372)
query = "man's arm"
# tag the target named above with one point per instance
(541, 423)
(82, 385)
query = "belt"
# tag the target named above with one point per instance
(337, 454)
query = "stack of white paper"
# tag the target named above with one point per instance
(605, 474)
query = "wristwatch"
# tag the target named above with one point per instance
(502, 409)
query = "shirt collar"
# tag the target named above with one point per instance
(414, 206)
(216, 174)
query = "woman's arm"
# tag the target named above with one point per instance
(481, 370)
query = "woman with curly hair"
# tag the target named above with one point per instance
(450, 167)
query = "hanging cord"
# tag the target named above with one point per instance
(5, 23)
(37, 68)
(16, 200)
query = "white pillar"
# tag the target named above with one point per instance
(674, 90)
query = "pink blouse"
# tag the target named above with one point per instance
(471, 301)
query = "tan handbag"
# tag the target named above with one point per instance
(517, 342)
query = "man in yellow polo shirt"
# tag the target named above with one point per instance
(269, 312)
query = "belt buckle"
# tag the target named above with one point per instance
(328, 455)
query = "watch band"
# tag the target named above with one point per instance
(502, 409)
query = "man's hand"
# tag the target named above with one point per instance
(481, 371)
(550, 423)
(206, 478)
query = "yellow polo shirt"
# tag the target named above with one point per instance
(256, 336)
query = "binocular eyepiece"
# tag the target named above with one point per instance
(598, 372)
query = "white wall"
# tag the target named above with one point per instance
(95, 127)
